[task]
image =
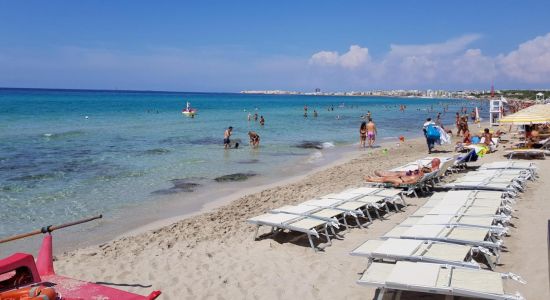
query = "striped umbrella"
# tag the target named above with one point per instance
(536, 114)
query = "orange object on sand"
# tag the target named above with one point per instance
(30, 293)
(402, 138)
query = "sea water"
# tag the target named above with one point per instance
(67, 154)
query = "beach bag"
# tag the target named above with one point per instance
(432, 132)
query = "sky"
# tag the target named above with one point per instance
(229, 46)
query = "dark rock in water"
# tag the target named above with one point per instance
(33, 177)
(157, 151)
(180, 186)
(183, 184)
(234, 177)
(249, 161)
(310, 145)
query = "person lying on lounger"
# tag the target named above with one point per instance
(403, 177)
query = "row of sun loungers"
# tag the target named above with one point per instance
(330, 212)
(440, 248)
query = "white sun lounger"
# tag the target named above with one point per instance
(438, 279)
(527, 152)
(332, 216)
(486, 222)
(386, 196)
(497, 178)
(307, 225)
(354, 209)
(523, 174)
(507, 165)
(447, 233)
(510, 188)
(424, 251)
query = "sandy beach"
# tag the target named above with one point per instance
(213, 255)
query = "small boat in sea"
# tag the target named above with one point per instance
(188, 110)
(23, 278)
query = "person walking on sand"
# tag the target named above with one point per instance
(254, 139)
(371, 132)
(363, 134)
(458, 124)
(262, 120)
(428, 129)
(226, 135)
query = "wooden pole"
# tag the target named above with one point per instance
(47, 229)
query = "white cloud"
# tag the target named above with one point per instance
(354, 58)
(448, 63)
(449, 47)
(529, 63)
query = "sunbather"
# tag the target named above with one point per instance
(409, 178)
(403, 177)
(435, 163)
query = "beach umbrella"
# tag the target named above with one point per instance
(478, 119)
(535, 114)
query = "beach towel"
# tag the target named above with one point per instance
(444, 138)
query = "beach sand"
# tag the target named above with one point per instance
(213, 255)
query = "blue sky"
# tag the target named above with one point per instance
(297, 45)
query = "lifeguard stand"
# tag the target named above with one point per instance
(496, 110)
(539, 97)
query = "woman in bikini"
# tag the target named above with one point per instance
(363, 134)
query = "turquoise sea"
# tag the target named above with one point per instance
(68, 154)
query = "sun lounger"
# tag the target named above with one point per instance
(424, 251)
(510, 188)
(438, 279)
(333, 216)
(354, 209)
(411, 188)
(486, 222)
(527, 152)
(516, 181)
(309, 226)
(449, 234)
(511, 165)
(470, 203)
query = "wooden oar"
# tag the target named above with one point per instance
(47, 229)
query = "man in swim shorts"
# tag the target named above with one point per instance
(371, 132)
(226, 135)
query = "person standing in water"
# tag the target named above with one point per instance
(255, 117)
(315, 113)
(249, 116)
(371, 132)
(262, 120)
(254, 139)
(226, 135)
(363, 134)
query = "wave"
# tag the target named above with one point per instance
(66, 134)
(315, 157)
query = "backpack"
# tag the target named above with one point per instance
(432, 132)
